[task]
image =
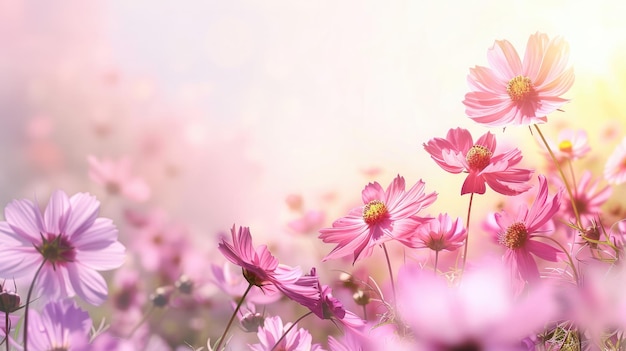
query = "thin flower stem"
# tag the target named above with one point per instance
(230, 322)
(567, 185)
(142, 321)
(30, 292)
(364, 312)
(571, 172)
(569, 258)
(7, 328)
(436, 261)
(393, 285)
(289, 329)
(467, 229)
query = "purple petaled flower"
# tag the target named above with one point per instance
(261, 268)
(61, 326)
(69, 241)
(329, 307)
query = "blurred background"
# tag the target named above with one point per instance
(262, 113)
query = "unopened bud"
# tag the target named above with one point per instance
(9, 301)
(348, 281)
(161, 296)
(184, 284)
(361, 298)
(251, 322)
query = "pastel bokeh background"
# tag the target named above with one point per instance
(227, 107)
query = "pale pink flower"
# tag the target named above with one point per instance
(62, 325)
(68, 239)
(295, 340)
(516, 92)
(348, 342)
(570, 145)
(261, 268)
(518, 234)
(117, 179)
(309, 222)
(587, 197)
(387, 215)
(477, 314)
(441, 233)
(615, 168)
(458, 153)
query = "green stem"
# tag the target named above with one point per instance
(567, 186)
(30, 292)
(230, 322)
(289, 329)
(393, 285)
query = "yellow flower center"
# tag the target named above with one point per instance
(515, 236)
(519, 88)
(565, 146)
(478, 157)
(374, 212)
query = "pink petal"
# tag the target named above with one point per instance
(88, 284)
(543, 250)
(56, 213)
(84, 211)
(504, 59)
(103, 259)
(373, 191)
(99, 235)
(25, 219)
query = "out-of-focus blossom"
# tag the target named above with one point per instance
(457, 153)
(475, 315)
(349, 342)
(294, 201)
(117, 179)
(587, 198)
(570, 145)
(309, 222)
(249, 319)
(387, 215)
(61, 326)
(261, 268)
(68, 239)
(615, 168)
(441, 233)
(295, 340)
(518, 234)
(516, 92)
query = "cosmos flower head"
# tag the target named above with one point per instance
(481, 161)
(260, 268)
(588, 198)
(441, 233)
(570, 145)
(295, 340)
(117, 179)
(68, 240)
(519, 232)
(62, 325)
(386, 215)
(513, 91)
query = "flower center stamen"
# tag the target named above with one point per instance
(565, 146)
(56, 249)
(519, 88)
(374, 212)
(478, 157)
(515, 236)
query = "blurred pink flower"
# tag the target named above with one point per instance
(440, 233)
(615, 168)
(348, 342)
(474, 315)
(516, 92)
(587, 197)
(309, 222)
(68, 239)
(62, 325)
(295, 340)
(387, 215)
(116, 177)
(262, 269)
(457, 153)
(570, 145)
(519, 235)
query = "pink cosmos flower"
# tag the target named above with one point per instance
(587, 197)
(516, 92)
(235, 286)
(570, 145)
(349, 342)
(117, 178)
(62, 325)
(68, 239)
(295, 340)
(615, 168)
(475, 315)
(458, 153)
(387, 215)
(518, 234)
(262, 269)
(441, 233)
